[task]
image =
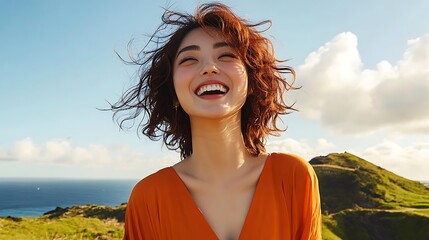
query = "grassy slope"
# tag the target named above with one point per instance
(363, 201)
(359, 183)
(370, 224)
(83, 222)
(64, 228)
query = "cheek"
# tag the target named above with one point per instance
(235, 68)
(180, 78)
(239, 75)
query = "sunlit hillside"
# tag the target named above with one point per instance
(363, 201)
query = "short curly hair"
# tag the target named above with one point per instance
(154, 94)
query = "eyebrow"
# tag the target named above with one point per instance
(220, 44)
(196, 47)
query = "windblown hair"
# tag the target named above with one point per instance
(154, 94)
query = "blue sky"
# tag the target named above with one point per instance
(362, 65)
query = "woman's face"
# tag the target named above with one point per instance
(209, 78)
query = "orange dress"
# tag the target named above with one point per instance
(285, 205)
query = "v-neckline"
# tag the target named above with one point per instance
(200, 213)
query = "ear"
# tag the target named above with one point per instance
(173, 97)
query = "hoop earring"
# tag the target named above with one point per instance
(175, 106)
(176, 119)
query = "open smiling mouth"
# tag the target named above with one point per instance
(211, 89)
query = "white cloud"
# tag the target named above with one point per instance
(408, 161)
(323, 144)
(95, 160)
(349, 99)
(301, 148)
(106, 160)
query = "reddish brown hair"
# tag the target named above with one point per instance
(154, 94)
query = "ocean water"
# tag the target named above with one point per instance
(33, 197)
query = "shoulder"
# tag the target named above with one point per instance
(296, 176)
(152, 185)
(290, 166)
(143, 209)
(298, 182)
(283, 161)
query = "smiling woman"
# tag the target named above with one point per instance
(213, 89)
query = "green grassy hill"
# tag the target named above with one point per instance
(363, 201)
(77, 222)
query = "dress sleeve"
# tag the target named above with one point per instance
(138, 222)
(301, 195)
(308, 203)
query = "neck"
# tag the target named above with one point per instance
(218, 146)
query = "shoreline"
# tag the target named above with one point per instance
(51, 209)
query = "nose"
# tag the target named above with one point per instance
(209, 68)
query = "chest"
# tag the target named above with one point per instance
(225, 209)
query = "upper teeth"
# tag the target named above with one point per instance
(211, 87)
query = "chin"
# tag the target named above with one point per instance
(214, 115)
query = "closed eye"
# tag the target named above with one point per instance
(187, 59)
